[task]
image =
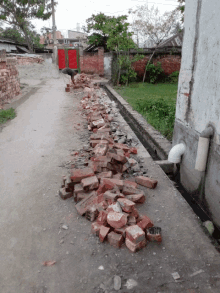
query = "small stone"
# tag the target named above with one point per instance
(101, 268)
(130, 284)
(117, 283)
(65, 227)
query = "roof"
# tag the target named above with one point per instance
(175, 41)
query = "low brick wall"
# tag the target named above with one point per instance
(169, 63)
(9, 80)
(28, 60)
(93, 62)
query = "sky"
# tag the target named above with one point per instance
(69, 13)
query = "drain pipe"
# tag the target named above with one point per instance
(176, 153)
(202, 157)
(203, 149)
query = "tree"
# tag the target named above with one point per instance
(19, 13)
(13, 34)
(45, 32)
(181, 7)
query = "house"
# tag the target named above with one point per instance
(13, 47)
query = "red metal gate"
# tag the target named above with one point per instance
(61, 58)
(68, 58)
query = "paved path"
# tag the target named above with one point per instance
(33, 149)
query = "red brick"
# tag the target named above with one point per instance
(84, 204)
(108, 195)
(95, 228)
(126, 205)
(121, 146)
(135, 213)
(121, 231)
(65, 195)
(126, 166)
(90, 183)
(105, 175)
(102, 218)
(114, 182)
(91, 213)
(131, 220)
(117, 176)
(93, 143)
(78, 188)
(98, 123)
(78, 174)
(103, 232)
(100, 149)
(128, 189)
(137, 198)
(135, 234)
(115, 239)
(133, 150)
(147, 182)
(154, 234)
(116, 220)
(104, 187)
(135, 247)
(145, 223)
(130, 183)
(116, 167)
(81, 195)
(117, 158)
(115, 207)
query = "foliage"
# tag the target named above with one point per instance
(5, 115)
(19, 13)
(154, 73)
(12, 34)
(125, 62)
(174, 77)
(157, 103)
(181, 8)
(153, 25)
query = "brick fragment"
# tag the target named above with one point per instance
(94, 143)
(147, 182)
(84, 204)
(102, 218)
(95, 228)
(135, 213)
(78, 174)
(64, 194)
(108, 195)
(104, 187)
(135, 234)
(131, 220)
(130, 183)
(103, 232)
(133, 150)
(126, 205)
(115, 207)
(118, 158)
(154, 234)
(114, 182)
(98, 123)
(105, 175)
(121, 146)
(78, 188)
(117, 176)
(128, 189)
(145, 223)
(115, 239)
(116, 220)
(135, 247)
(81, 195)
(121, 231)
(100, 149)
(137, 198)
(91, 213)
(90, 183)
(126, 166)
(116, 167)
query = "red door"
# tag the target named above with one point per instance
(72, 55)
(61, 59)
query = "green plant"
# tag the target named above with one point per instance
(6, 115)
(173, 77)
(154, 73)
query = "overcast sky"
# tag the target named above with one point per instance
(69, 12)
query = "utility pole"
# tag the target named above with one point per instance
(54, 34)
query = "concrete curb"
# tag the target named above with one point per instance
(152, 139)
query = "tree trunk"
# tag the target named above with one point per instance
(27, 38)
(148, 64)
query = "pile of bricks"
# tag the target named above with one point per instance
(99, 190)
(9, 80)
(82, 81)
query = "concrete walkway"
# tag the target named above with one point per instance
(34, 149)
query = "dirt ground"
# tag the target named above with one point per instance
(35, 150)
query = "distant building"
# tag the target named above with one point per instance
(49, 38)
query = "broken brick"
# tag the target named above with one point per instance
(137, 198)
(98, 123)
(114, 182)
(135, 234)
(147, 182)
(78, 188)
(135, 213)
(80, 196)
(102, 218)
(121, 231)
(95, 228)
(78, 174)
(105, 175)
(145, 223)
(115, 239)
(100, 149)
(91, 213)
(108, 195)
(116, 167)
(135, 247)
(129, 189)
(130, 183)
(131, 220)
(126, 166)
(118, 158)
(154, 234)
(121, 146)
(126, 205)
(84, 204)
(103, 232)
(64, 194)
(104, 187)
(117, 176)
(116, 220)
(90, 183)
(133, 150)
(94, 143)
(115, 207)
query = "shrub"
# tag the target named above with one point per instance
(173, 77)
(154, 73)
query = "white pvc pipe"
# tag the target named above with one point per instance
(176, 152)
(202, 154)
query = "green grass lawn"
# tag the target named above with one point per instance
(5, 115)
(156, 103)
